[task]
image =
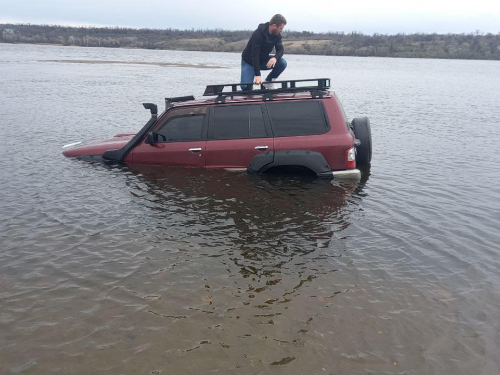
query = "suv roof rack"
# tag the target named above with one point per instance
(317, 87)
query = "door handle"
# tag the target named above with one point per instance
(196, 149)
(261, 147)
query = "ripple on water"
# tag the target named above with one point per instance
(115, 269)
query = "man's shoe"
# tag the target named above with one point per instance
(270, 86)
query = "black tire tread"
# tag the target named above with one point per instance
(362, 130)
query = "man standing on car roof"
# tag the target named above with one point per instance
(256, 55)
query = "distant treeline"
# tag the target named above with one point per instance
(444, 46)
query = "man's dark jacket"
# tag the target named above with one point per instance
(260, 45)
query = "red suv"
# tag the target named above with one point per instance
(296, 126)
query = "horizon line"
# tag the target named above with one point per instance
(97, 26)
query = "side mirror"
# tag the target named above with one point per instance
(151, 138)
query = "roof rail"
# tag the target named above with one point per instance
(170, 101)
(295, 85)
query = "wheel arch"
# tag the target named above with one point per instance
(311, 160)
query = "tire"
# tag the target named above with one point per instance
(363, 132)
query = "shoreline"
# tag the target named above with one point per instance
(289, 51)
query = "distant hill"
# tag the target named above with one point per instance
(442, 46)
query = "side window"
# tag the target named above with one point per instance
(183, 125)
(297, 118)
(257, 127)
(239, 121)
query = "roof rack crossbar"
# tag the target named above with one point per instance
(317, 84)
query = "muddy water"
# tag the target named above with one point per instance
(147, 270)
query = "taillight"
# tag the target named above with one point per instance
(351, 158)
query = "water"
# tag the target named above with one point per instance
(147, 270)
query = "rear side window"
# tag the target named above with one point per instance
(257, 127)
(297, 118)
(236, 122)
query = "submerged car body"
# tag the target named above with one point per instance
(257, 131)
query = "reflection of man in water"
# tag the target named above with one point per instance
(256, 55)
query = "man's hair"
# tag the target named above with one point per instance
(278, 19)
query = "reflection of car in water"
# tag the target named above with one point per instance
(269, 212)
(295, 127)
(240, 259)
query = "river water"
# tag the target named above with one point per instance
(150, 270)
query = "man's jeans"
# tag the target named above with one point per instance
(247, 73)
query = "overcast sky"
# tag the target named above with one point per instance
(367, 16)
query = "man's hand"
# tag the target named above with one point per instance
(257, 80)
(271, 63)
